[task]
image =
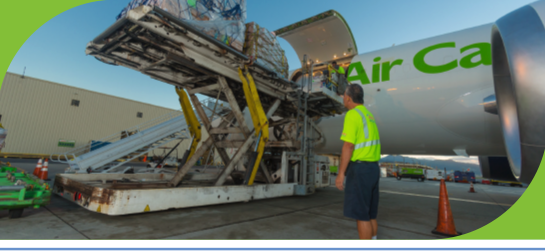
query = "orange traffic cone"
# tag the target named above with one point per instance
(44, 173)
(471, 189)
(38, 168)
(145, 158)
(445, 222)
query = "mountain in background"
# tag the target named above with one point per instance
(450, 165)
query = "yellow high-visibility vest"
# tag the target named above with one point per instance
(361, 130)
(341, 70)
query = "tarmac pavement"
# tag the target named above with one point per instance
(407, 210)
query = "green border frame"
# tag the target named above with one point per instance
(24, 19)
(524, 220)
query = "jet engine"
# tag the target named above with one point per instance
(497, 168)
(518, 63)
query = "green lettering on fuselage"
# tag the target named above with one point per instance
(422, 66)
(361, 74)
(381, 71)
(386, 67)
(485, 51)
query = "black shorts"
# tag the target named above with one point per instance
(361, 191)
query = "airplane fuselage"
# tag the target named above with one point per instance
(427, 96)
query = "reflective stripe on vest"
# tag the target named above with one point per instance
(366, 133)
(367, 144)
(365, 127)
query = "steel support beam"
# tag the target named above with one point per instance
(198, 153)
(216, 131)
(233, 103)
(204, 89)
(273, 108)
(229, 144)
(242, 150)
(266, 172)
(204, 147)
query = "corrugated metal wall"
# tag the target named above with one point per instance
(37, 114)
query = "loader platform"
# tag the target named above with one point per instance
(267, 155)
(157, 44)
(122, 194)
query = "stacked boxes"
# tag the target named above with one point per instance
(224, 21)
(221, 19)
(261, 45)
(230, 33)
(197, 10)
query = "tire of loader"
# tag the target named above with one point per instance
(238, 181)
(16, 213)
(398, 177)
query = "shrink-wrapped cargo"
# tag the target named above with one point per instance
(262, 46)
(230, 33)
(221, 19)
(201, 10)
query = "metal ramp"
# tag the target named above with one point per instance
(155, 43)
(263, 165)
(108, 154)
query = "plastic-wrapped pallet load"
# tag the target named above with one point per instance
(200, 10)
(230, 33)
(221, 19)
(262, 46)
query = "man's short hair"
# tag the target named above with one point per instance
(355, 92)
(334, 62)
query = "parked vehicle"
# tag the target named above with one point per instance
(434, 174)
(412, 173)
(21, 190)
(464, 177)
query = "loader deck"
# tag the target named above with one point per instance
(154, 42)
(121, 194)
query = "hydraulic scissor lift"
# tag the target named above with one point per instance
(272, 154)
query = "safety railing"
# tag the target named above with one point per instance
(72, 154)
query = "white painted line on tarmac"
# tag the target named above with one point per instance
(436, 197)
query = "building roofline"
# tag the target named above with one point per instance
(78, 88)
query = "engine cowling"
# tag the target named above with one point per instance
(497, 168)
(518, 63)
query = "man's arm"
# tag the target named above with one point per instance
(346, 154)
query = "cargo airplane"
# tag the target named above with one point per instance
(478, 91)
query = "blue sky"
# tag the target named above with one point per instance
(55, 52)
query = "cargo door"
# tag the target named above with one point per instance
(324, 37)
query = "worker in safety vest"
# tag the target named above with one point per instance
(339, 69)
(359, 171)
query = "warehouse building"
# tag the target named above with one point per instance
(44, 118)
